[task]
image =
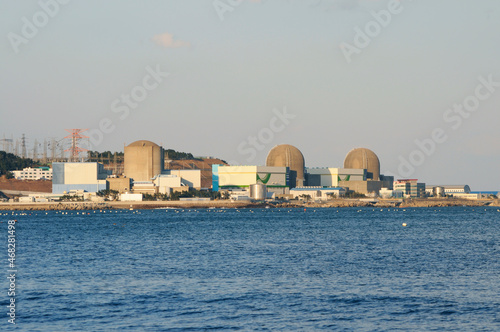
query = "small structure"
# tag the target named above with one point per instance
(258, 191)
(127, 197)
(189, 177)
(26, 199)
(450, 189)
(317, 192)
(119, 183)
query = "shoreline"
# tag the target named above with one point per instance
(339, 203)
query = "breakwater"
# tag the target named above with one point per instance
(338, 203)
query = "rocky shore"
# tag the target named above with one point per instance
(338, 203)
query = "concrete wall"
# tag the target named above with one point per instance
(121, 184)
(363, 187)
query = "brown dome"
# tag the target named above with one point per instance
(362, 158)
(285, 155)
(143, 143)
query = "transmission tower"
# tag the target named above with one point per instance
(16, 151)
(23, 146)
(75, 137)
(35, 150)
(44, 159)
(6, 143)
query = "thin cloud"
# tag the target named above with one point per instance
(167, 40)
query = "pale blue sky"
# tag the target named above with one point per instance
(227, 76)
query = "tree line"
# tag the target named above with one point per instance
(10, 162)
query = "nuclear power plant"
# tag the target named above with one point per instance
(284, 175)
(145, 168)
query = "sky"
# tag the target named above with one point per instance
(417, 82)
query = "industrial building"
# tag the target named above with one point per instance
(286, 170)
(89, 177)
(236, 177)
(331, 177)
(38, 173)
(410, 188)
(143, 160)
(286, 155)
(168, 183)
(189, 177)
(449, 189)
(362, 158)
(144, 165)
(122, 184)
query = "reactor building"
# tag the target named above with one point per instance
(361, 158)
(286, 155)
(143, 160)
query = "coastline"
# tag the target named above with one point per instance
(339, 203)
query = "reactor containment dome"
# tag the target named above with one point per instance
(143, 160)
(362, 158)
(285, 155)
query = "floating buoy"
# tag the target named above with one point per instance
(404, 224)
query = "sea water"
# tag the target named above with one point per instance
(354, 269)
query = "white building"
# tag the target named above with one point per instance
(450, 189)
(39, 173)
(466, 195)
(127, 197)
(189, 177)
(166, 184)
(316, 193)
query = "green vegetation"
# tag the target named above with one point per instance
(305, 197)
(175, 155)
(354, 194)
(10, 162)
(111, 195)
(71, 198)
(108, 155)
(194, 193)
(105, 154)
(177, 195)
